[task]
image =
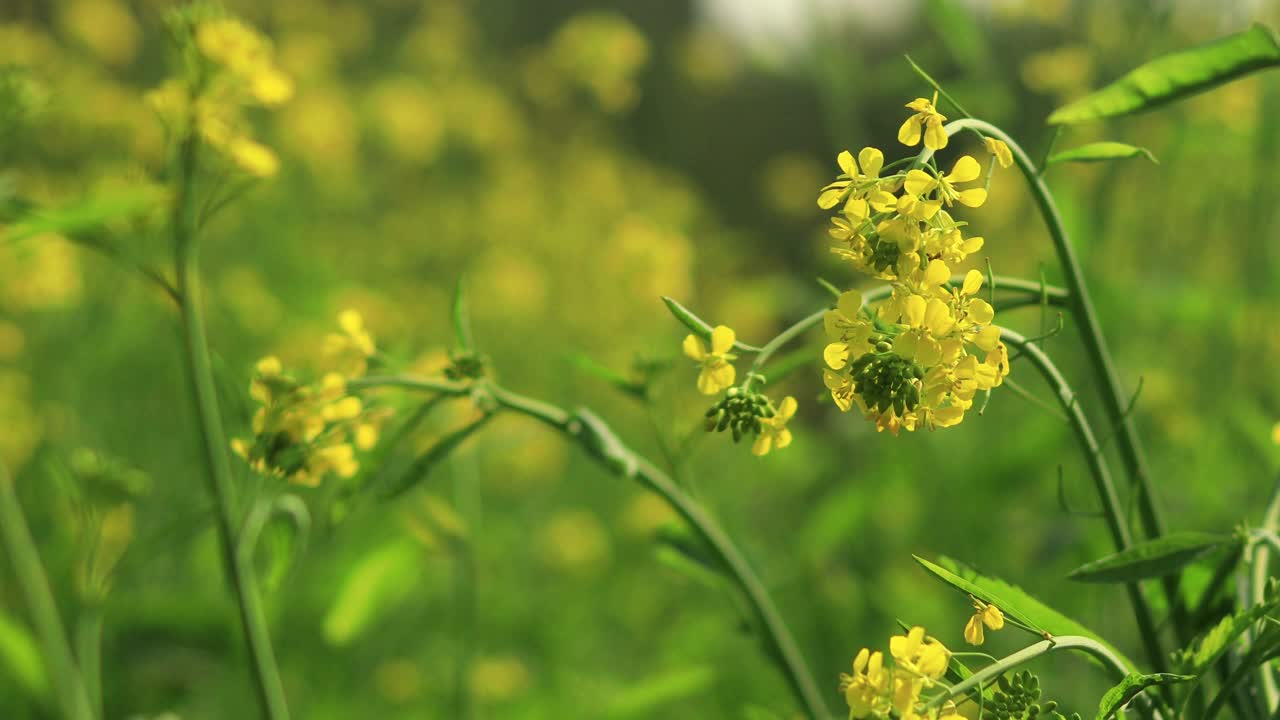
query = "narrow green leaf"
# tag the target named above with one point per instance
(697, 325)
(380, 580)
(85, 216)
(20, 658)
(462, 317)
(1206, 649)
(1177, 75)
(648, 696)
(679, 550)
(427, 461)
(1154, 558)
(623, 383)
(1013, 601)
(1101, 152)
(1128, 688)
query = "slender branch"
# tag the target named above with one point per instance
(1114, 398)
(1115, 515)
(1062, 642)
(599, 441)
(89, 654)
(25, 559)
(1258, 578)
(239, 568)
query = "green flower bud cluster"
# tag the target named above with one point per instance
(741, 412)
(466, 365)
(887, 380)
(1018, 698)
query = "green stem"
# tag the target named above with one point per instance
(1258, 577)
(1027, 654)
(89, 654)
(603, 445)
(239, 568)
(33, 582)
(1111, 506)
(1115, 401)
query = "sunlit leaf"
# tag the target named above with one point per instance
(20, 658)
(1101, 152)
(1154, 558)
(1177, 75)
(1014, 602)
(1124, 691)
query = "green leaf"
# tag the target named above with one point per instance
(462, 317)
(82, 217)
(697, 325)
(1014, 602)
(380, 580)
(1127, 689)
(427, 461)
(1101, 152)
(679, 550)
(1176, 75)
(646, 698)
(613, 377)
(1205, 650)
(20, 658)
(1154, 558)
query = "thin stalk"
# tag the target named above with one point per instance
(238, 567)
(25, 559)
(1113, 510)
(89, 654)
(600, 442)
(1027, 654)
(1259, 565)
(1115, 400)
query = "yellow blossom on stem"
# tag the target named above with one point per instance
(926, 120)
(923, 657)
(865, 688)
(1000, 150)
(983, 614)
(773, 430)
(966, 169)
(717, 371)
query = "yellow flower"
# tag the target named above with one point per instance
(926, 119)
(983, 614)
(773, 430)
(966, 169)
(857, 180)
(1000, 150)
(864, 689)
(717, 370)
(349, 350)
(252, 157)
(924, 658)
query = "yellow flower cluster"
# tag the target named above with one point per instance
(238, 71)
(877, 690)
(304, 431)
(912, 361)
(741, 410)
(983, 614)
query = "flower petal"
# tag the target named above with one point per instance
(919, 182)
(722, 339)
(980, 311)
(972, 282)
(973, 198)
(909, 132)
(786, 410)
(935, 138)
(871, 160)
(694, 348)
(965, 169)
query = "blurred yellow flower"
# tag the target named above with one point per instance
(717, 371)
(1000, 150)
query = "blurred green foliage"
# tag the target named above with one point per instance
(577, 161)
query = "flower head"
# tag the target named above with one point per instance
(773, 430)
(717, 371)
(926, 120)
(983, 614)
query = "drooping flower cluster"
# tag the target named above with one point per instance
(304, 431)
(742, 410)
(236, 70)
(881, 690)
(918, 359)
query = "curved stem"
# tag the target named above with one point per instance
(218, 469)
(600, 442)
(1114, 399)
(16, 538)
(1111, 506)
(1031, 652)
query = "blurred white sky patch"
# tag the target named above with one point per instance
(773, 31)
